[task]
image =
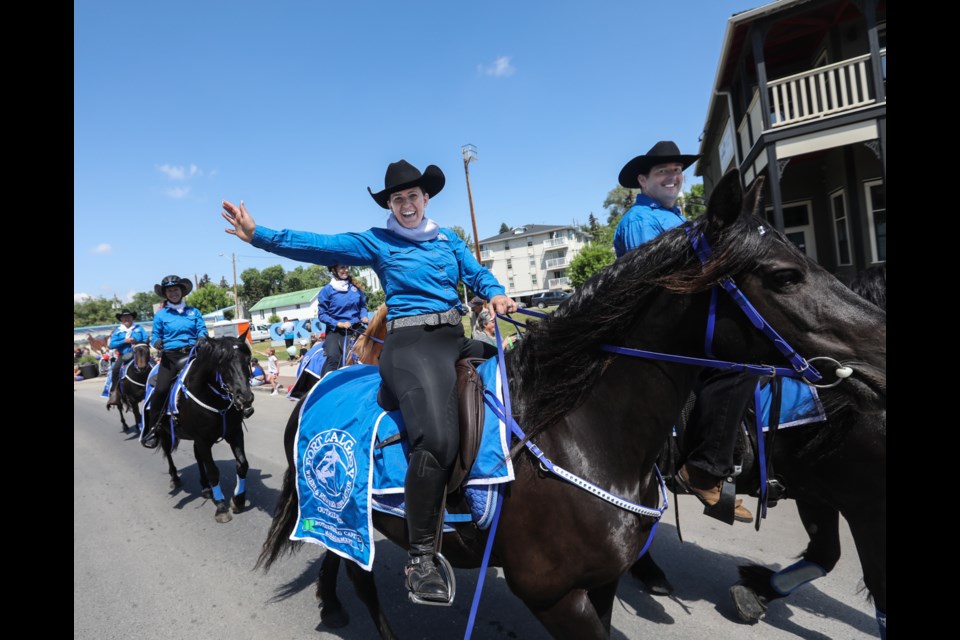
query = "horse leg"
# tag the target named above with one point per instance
(332, 613)
(870, 536)
(647, 571)
(204, 454)
(758, 585)
(167, 446)
(574, 616)
(239, 500)
(602, 600)
(135, 407)
(366, 589)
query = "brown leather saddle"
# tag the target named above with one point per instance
(470, 400)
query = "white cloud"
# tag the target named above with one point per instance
(177, 192)
(103, 247)
(501, 68)
(80, 297)
(128, 297)
(180, 173)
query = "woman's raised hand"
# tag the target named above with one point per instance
(243, 224)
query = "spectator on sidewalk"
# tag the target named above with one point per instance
(273, 370)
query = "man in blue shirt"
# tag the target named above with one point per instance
(722, 396)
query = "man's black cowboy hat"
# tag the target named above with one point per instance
(661, 153)
(173, 281)
(403, 175)
(126, 312)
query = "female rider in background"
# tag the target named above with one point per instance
(176, 329)
(342, 306)
(419, 263)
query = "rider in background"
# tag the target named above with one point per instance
(342, 306)
(722, 396)
(176, 329)
(420, 263)
(122, 339)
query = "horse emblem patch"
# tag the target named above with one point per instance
(330, 467)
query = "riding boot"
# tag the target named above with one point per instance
(425, 484)
(114, 397)
(150, 438)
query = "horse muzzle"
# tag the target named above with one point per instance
(248, 411)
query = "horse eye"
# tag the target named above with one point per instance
(785, 277)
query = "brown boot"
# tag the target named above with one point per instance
(707, 490)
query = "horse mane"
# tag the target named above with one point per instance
(554, 368)
(365, 349)
(871, 285)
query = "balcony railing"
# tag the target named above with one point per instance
(557, 263)
(556, 283)
(554, 242)
(822, 91)
(486, 255)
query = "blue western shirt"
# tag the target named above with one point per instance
(644, 221)
(176, 329)
(341, 306)
(417, 277)
(118, 338)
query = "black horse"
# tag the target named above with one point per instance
(133, 384)
(830, 468)
(605, 417)
(212, 401)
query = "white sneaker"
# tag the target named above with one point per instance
(274, 393)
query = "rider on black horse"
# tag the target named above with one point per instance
(123, 338)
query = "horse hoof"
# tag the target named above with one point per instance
(333, 616)
(223, 516)
(175, 483)
(238, 503)
(750, 607)
(206, 493)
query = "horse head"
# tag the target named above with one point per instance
(141, 355)
(829, 324)
(368, 346)
(227, 360)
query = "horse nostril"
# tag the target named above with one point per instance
(248, 412)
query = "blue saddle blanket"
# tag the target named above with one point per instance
(313, 360)
(342, 477)
(799, 404)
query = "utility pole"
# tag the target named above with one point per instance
(236, 298)
(469, 155)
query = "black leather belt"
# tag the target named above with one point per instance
(451, 317)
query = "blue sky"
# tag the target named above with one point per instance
(298, 107)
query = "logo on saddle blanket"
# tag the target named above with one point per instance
(330, 468)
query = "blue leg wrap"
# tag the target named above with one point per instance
(217, 493)
(882, 621)
(786, 581)
(241, 486)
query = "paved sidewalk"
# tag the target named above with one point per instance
(288, 376)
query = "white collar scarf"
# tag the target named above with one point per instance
(339, 285)
(426, 230)
(177, 307)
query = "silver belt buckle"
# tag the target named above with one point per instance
(454, 318)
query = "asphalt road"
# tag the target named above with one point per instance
(151, 563)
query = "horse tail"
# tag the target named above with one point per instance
(367, 350)
(278, 541)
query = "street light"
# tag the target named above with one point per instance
(469, 155)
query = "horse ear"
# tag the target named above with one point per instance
(726, 200)
(243, 336)
(751, 201)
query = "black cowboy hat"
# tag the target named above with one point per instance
(403, 175)
(173, 281)
(126, 312)
(661, 153)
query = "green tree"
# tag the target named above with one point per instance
(592, 224)
(375, 299)
(143, 303)
(503, 227)
(589, 262)
(94, 311)
(692, 203)
(209, 298)
(619, 199)
(274, 318)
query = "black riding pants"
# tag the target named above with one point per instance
(333, 348)
(418, 367)
(715, 421)
(171, 362)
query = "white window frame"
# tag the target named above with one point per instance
(842, 195)
(809, 236)
(868, 199)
